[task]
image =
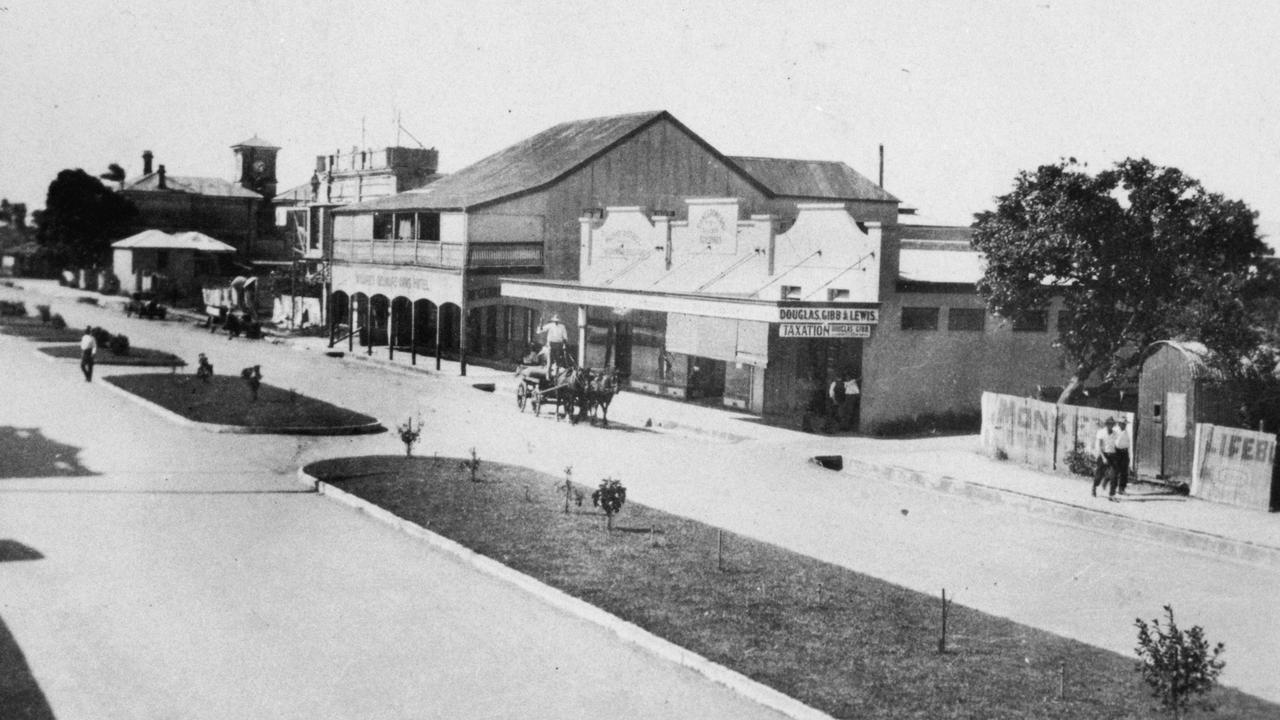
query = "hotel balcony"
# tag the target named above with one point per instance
(423, 253)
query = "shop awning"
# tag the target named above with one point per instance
(706, 305)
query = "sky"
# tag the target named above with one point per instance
(963, 95)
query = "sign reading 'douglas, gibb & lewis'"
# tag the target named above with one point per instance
(822, 322)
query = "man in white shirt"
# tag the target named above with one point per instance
(88, 349)
(1105, 445)
(557, 337)
(1123, 442)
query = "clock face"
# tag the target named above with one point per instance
(259, 166)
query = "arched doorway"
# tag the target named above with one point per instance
(424, 331)
(450, 328)
(377, 317)
(359, 308)
(401, 323)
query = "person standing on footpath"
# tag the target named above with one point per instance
(1123, 442)
(88, 349)
(1105, 444)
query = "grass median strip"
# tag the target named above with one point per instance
(139, 357)
(848, 644)
(226, 400)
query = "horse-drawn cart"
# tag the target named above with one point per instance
(535, 387)
(587, 391)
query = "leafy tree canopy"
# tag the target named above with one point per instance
(81, 218)
(1137, 252)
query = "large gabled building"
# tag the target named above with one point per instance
(747, 281)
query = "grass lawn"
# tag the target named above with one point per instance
(226, 400)
(142, 357)
(848, 644)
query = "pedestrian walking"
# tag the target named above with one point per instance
(88, 350)
(1105, 444)
(1123, 443)
(204, 370)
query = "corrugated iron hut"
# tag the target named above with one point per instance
(1179, 387)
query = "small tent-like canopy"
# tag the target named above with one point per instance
(159, 240)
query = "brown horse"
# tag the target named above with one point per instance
(602, 386)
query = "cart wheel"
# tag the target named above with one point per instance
(522, 395)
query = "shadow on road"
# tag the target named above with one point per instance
(20, 695)
(28, 453)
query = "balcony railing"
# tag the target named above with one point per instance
(437, 254)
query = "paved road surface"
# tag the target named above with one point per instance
(1078, 583)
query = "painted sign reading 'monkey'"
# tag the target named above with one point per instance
(828, 315)
(832, 330)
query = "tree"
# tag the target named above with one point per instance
(1178, 665)
(1138, 253)
(81, 218)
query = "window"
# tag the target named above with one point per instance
(1031, 321)
(429, 227)
(837, 295)
(790, 292)
(382, 226)
(966, 319)
(919, 318)
(162, 260)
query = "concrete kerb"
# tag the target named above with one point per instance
(627, 632)
(171, 416)
(1089, 518)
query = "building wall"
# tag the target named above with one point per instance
(232, 220)
(908, 372)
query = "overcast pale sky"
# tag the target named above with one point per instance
(962, 94)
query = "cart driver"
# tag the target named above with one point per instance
(557, 337)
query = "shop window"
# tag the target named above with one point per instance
(790, 292)
(837, 295)
(1031, 321)
(966, 319)
(920, 318)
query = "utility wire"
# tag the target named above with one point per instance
(855, 264)
(737, 264)
(778, 277)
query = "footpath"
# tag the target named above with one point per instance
(948, 464)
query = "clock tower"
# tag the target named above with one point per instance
(256, 165)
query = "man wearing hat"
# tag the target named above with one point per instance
(1105, 444)
(557, 336)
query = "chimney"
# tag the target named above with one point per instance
(882, 166)
(162, 186)
(146, 162)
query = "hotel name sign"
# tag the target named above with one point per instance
(826, 322)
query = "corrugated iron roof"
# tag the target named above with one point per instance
(826, 179)
(160, 240)
(1200, 359)
(527, 165)
(256, 141)
(937, 265)
(195, 185)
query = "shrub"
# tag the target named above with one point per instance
(12, 308)
(101, 335)
(1080, 462)
(57, 322)
(1177, 665)
(87, 300)
(409, 435)
(46, 314)
(610, 497)
(118, 345)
